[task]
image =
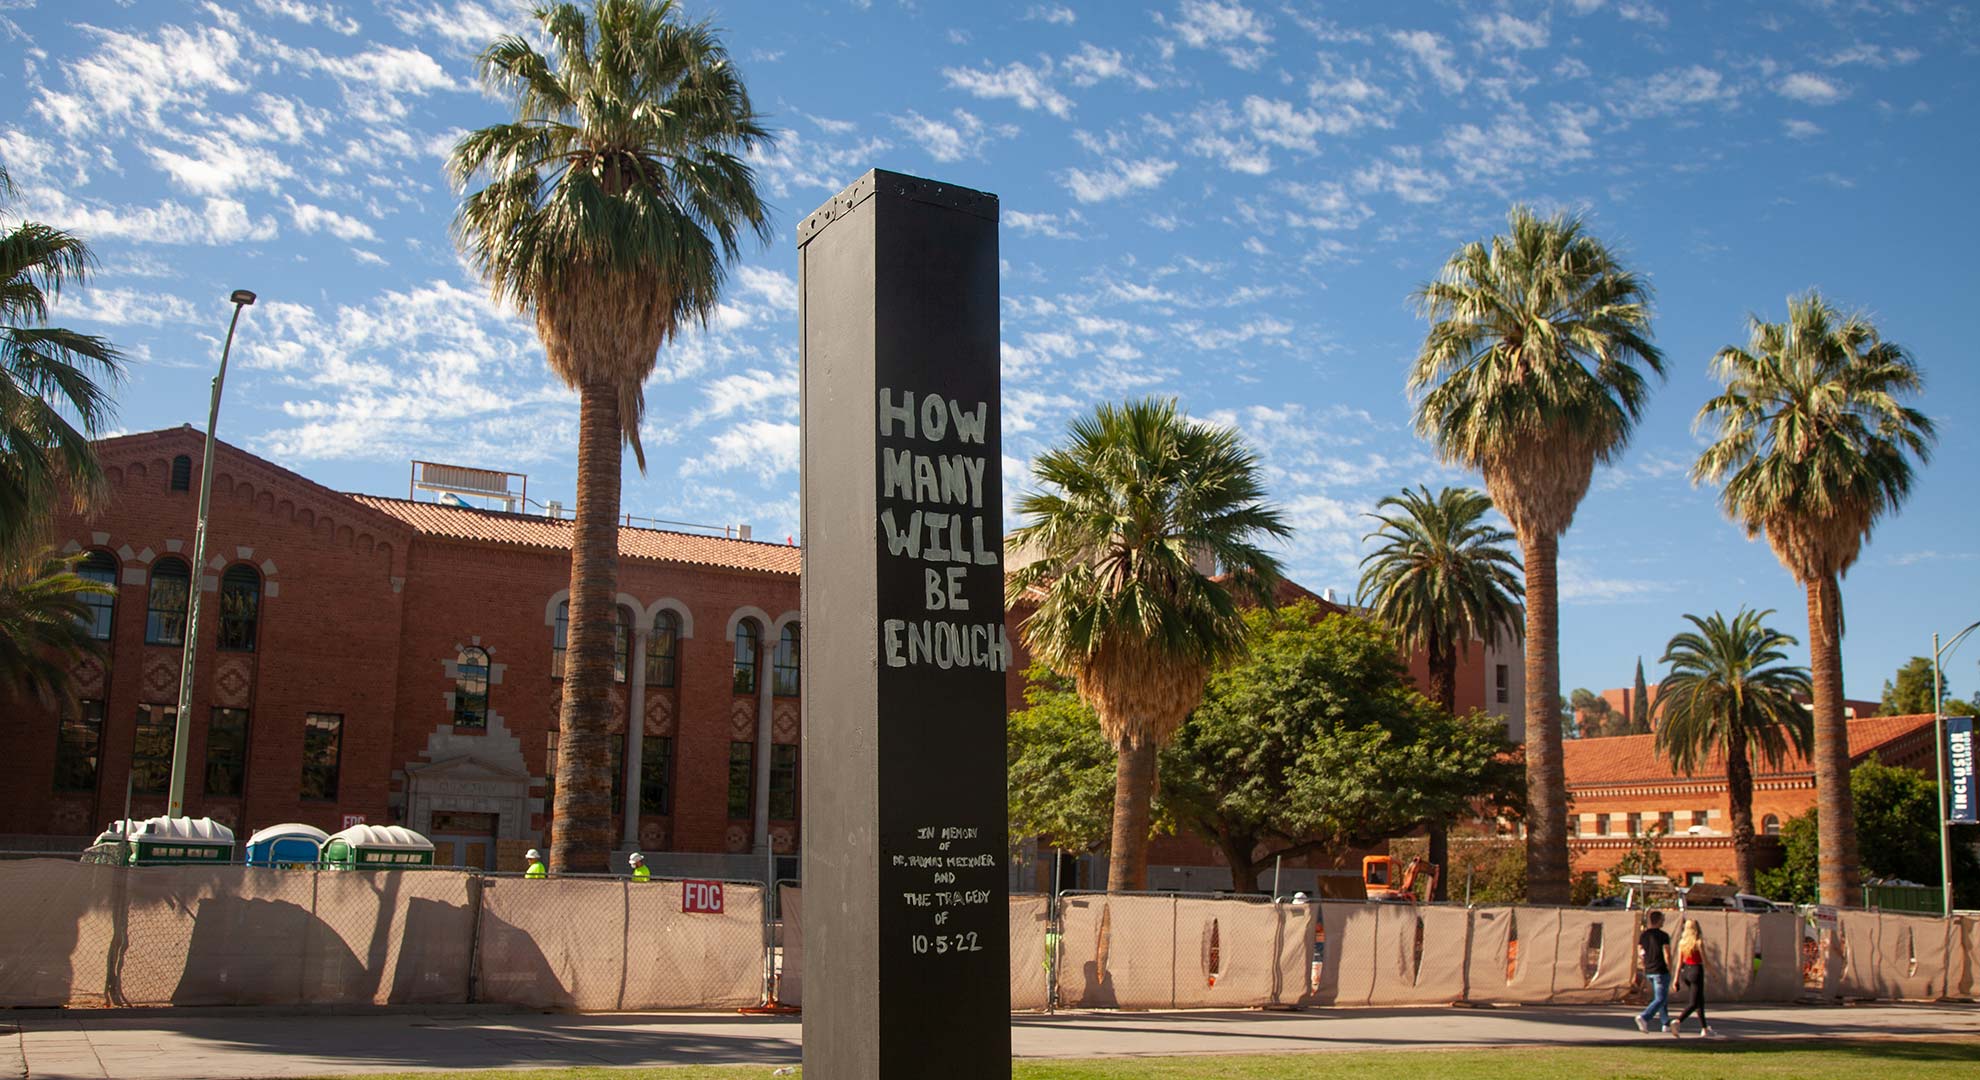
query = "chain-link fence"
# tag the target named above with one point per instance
(80, 934)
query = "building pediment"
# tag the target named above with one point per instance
(465, 769)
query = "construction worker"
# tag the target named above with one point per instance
(639, 870)
(536, 867)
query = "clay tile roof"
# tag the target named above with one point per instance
(524, 530)
(1634, 758)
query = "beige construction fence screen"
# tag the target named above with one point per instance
(75, 934)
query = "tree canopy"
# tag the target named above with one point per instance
(1896, 830)
(1315, 741)
(1909, 692)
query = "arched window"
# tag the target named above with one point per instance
(661, 649)
(560, 639)
(240, 608)
(182, 473)
(100, 567)
(471, 688)
(785, 667)
(165, 607)
(1770, 825)
(622, 646)
(748, 634)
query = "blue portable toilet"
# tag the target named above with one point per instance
(294, 844)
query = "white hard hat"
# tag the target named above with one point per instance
(1299, 898)
(532, 853)
(635, 858)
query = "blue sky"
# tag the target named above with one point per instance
(1226, 202)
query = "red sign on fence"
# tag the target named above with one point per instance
(701, 897)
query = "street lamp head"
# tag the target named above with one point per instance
(242, 297)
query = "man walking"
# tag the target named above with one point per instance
(536, 867)
(1653, 947)
(639, 870)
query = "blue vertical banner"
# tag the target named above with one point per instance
(1959, 766)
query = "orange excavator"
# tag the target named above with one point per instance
(1378, 877)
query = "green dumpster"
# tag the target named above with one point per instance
(376, 847)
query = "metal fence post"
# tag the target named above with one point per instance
(476, 886)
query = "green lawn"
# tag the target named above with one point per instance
(1914, 1059)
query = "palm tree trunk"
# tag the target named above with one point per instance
(1134, 789)
(1739, 792)
(1836, 820)
(1546, 786)
(1443, 688)
(582, 839)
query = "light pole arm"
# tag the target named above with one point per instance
(182, 730)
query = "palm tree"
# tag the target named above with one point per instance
(44, 625)
(1532, 373)
(1813, 448)
(614, 202)
(1131, 515)
(1441, 579)
(47, 376)
(1730, 689)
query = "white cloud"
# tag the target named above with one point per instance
(124, 307)
(220, 166)
(747, 392)
(376, 82)
(1429, 52)
(1801, 129)
(1672, 91)
(1055, 226)
(312, 219)
(310, 12)
(1507, 30)
(217, 221)
(1282, 124)
(1410, 183)
(766, 449)
(1056, 14)
(775, 287)
(1093, 64)
(1328, 206)
(796, 163)
(1238, 33)
(954, 140)
(1515, 144)
(1636, 11)
(131, 77)
(1581, 584)
(466, 26)
(1029, 87)
(1811, 89)
(1873, 55)
(1120, 177)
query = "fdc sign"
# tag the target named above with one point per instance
(701, 897)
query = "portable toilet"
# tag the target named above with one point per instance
(165, 841)
(377, 847)
(293, 844)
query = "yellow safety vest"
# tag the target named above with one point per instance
(641, 873)
(537, 870)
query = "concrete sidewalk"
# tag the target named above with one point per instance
(242, 1043)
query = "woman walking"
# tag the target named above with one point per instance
(1691, 972)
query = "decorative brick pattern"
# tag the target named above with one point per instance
(784, 722)
(659, 713)
(233, 680)
(742, 719)
(90, 678)
(738, 838)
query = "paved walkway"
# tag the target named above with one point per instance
(223, 1045)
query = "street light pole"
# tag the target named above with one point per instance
(1945, 792)
(182, 730)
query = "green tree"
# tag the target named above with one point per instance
(44, 626)
(1595, 717)
(1317, 740)
(1643, 858)
(1639, 704)
(1533, 372)
(1814, 448)
(1126, 515)
(1730, 690)
(1441, 579)
(1060, 769)
(1896, 829)
(613, 203)
(47, 375)
(1910, 691)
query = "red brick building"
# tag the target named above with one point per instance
(1620, 789)
(380, 659)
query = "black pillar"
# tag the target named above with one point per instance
(906, 927)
